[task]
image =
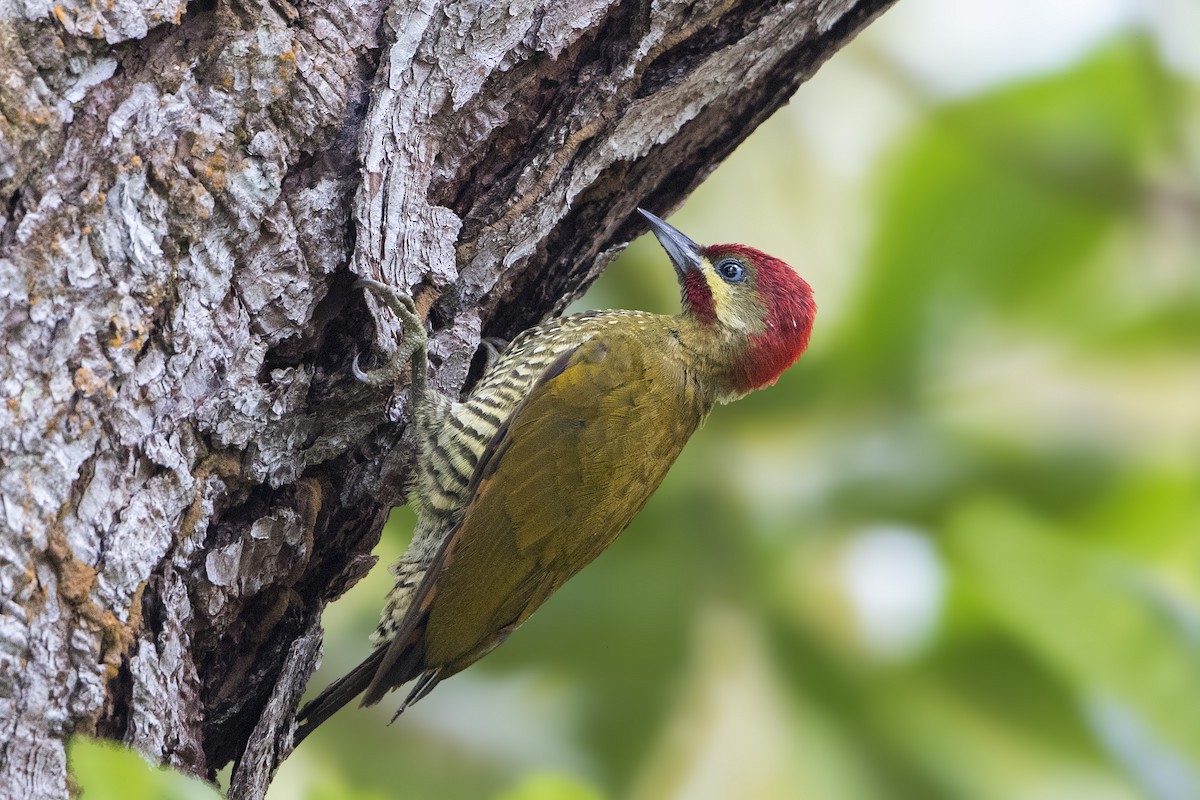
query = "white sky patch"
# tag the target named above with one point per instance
(955, 48)
(895, 583)
(958, 47)
(848, 137)
(1177, 26)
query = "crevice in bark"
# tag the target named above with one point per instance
(546, 91)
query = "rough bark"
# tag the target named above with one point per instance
(188, 472)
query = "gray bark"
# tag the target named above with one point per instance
(188, 472)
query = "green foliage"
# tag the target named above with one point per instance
(994, 210)
(106, 771)
(551, 786)
(1104, 624)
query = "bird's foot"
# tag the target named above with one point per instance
(412, 341)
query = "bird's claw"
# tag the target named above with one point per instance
(375, 377)
(411, 342)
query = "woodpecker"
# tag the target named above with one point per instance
(554, 452)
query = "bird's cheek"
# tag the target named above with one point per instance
(744, 320)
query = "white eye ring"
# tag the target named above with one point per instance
(731, 270)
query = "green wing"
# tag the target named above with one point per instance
(566, 474)
(559, 480)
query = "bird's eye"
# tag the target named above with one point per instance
(731, 271)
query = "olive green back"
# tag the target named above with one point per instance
(566, 474)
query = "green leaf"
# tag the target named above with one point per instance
(107, 771)
(996, 208)
(551, 786)
(1104, 624)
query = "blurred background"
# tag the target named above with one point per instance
(955, 553)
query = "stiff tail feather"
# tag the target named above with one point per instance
(375, 676)
(424, 686)
(336, 695)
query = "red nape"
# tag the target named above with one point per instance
(788, 301)
(697, 296)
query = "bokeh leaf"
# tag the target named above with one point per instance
(1101, 622)
(106, 771)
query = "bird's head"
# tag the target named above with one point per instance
(765, 309)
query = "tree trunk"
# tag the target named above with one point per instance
(188, 470)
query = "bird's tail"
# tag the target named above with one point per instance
(336, 695)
